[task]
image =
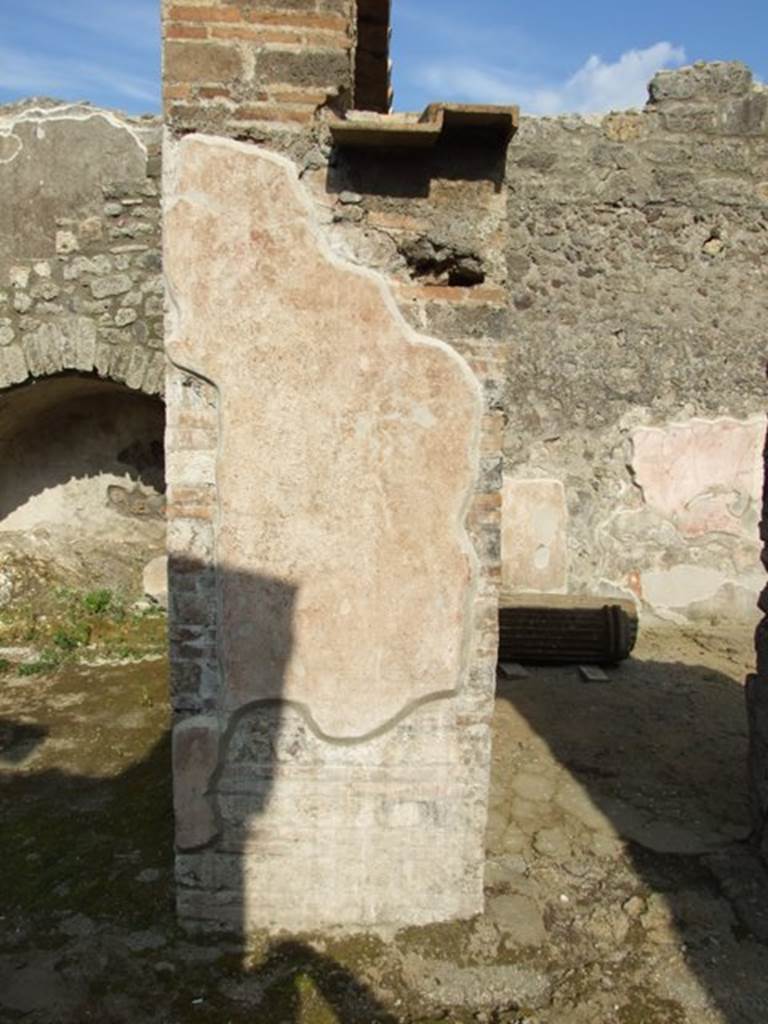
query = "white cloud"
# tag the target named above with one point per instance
(596, 87)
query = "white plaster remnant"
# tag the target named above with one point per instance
(680, 589)
(10, 147)
(534, 536)
(39, 116)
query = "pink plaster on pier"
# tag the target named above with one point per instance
(347, 451)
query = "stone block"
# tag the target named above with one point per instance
(114, 284)
(701, 81)
(201, 62)
(13, 366)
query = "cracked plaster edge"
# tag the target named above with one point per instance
(39, 115)
(752, 419)
(228, 717)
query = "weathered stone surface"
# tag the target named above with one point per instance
(331, 471)
(195, 756)
(519, 917)
(717, 79)
(635, 273)
(396, 824)
(348, 449)
(534, 536)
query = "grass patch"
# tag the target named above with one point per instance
(72, 626)
(69, 638)
(48, 661)
(98, 602)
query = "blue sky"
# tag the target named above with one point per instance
(561, 56)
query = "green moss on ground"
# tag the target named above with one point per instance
(73, 626)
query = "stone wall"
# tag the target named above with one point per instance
(334, 470)
(80, 276)
(81, 346)
(635, 394)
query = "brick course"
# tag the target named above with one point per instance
(237, 68)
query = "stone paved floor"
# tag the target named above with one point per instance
(620, 888)
(617, 825)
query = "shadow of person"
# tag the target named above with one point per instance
(18, 740)
(657, 757)
(86, 845)
(299, 984)
(228, 743)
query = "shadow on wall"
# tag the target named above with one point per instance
(659, 752)
(59, 434)
(220, 815)
(399, 176)
(87, 854)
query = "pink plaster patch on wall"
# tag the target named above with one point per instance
(704, 475)
(534, 537)
(348, 449)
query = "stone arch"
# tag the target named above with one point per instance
(80, 263)
(71, 344)
(82, 483)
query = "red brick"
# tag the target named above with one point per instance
(255, 34)
(176, 31)
(211, 14)
(331, 22)
(200, 62)
(274, 113)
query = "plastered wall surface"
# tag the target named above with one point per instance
(637, 278)
(332, 566)
(334, 474)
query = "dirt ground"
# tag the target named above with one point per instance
(621, 888)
